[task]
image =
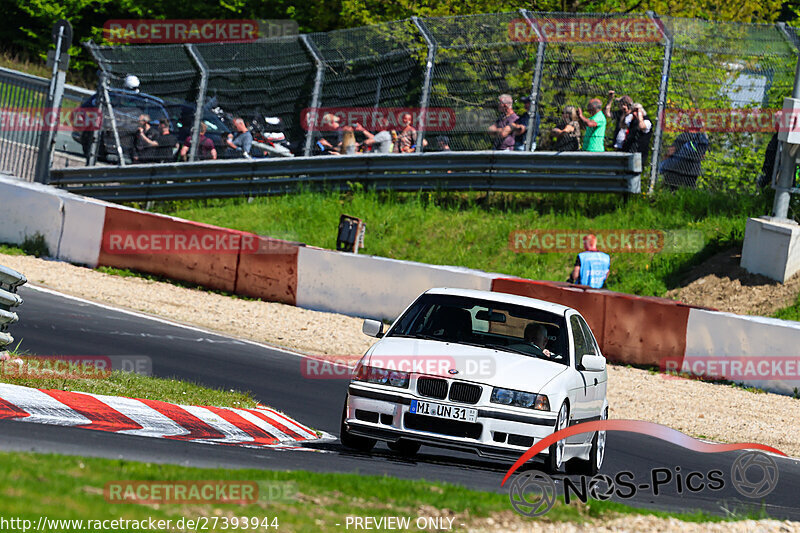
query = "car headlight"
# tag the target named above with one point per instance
(398, 379)
(520, 399)
(381, 376)
(503, 396)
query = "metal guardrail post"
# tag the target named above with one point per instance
(10, 280)
(201, 98)
(62, 35)
(430, 42)
(662, 98)
(316, 95)
(532, 132)
(106, 100)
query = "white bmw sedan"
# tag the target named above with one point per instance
(482, 371)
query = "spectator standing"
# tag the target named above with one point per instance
(349, 144)
(239, 145)
(639, 131)
(380, 142)
(501, 131)
(591, 267)
(683, 162)
(407, 139)
(520, 126)
(144, 141)
(205, 146)
(595, 126)
(443, 142)
(167, 144)
(623, 110)
(568, 137)
(329, 137)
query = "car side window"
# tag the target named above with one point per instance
(579, 343)
(591, 342)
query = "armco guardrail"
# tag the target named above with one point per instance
(485, 171)
(10, 280)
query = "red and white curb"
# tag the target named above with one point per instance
(251, 428)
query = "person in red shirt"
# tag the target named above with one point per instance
(205, 146)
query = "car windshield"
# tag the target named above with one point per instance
(519, 329)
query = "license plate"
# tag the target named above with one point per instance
(450, 412)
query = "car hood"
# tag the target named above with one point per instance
(482, 365)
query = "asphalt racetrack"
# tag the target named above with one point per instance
(52, 324)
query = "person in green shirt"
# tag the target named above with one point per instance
(595, 126)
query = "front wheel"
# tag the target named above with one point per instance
(597, 453)
(555, 458)
(354, 442)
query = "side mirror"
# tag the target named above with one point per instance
(593, 363)
(373, 328)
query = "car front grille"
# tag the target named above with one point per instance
(432, 388)
(465, 392)
(453, 428)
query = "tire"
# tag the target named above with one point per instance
(555, 457)
(353, 442)
(596, 455)
(405, 448)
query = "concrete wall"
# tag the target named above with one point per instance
(631, 329)
(714, 337)
(373, 287)
(72, 226)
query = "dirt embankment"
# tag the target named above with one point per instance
(720, 283)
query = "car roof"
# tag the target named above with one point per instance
(503, 297)
(143, 96)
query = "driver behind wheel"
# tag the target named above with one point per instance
(536, 334)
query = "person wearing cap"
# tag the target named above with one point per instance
(591, 267)
(500, 131)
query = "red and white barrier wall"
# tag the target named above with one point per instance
(630, 329)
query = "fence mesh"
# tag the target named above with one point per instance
(19, 146)
(561, 59)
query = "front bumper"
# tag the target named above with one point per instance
(383, 413)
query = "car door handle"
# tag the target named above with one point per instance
(595, 381)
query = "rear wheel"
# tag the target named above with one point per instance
(404, 447)
(354, 442)
(555, 458)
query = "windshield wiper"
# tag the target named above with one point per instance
(508, 349)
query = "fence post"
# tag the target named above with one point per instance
(106, 100)
(662, 98)
(532, 131)
(426, 84)
(201, 98)
(316, 95)
(62, 35)
(788, 164)
(97, 133)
